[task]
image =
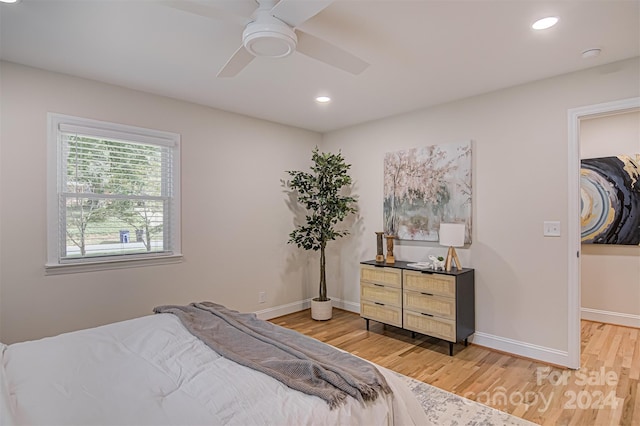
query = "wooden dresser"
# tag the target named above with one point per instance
(434, 303)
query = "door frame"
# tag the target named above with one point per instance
(573, 227)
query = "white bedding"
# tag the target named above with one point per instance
(152, 371)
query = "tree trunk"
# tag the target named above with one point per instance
(147, 235)
(394, 216)
(323, 276)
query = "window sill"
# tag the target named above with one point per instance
(88, 266)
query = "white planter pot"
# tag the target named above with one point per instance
(321, 311)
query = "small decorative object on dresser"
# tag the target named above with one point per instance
(379, 247)
(435, 303)
(390, 259)
(438, 262)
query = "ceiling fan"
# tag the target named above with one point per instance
(271, 31)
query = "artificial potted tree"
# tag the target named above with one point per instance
(320, 193)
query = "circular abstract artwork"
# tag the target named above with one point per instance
(610, 200)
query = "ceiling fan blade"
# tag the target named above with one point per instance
(326, 52)
(238, 11)
(241, 8)
(236, 63)
(295, 12)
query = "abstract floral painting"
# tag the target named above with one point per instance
(426, 186)
(610, 200)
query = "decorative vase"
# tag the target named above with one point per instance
(321, 311)
(390, 258)
(380, 253)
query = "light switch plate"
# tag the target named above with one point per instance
(551, 229)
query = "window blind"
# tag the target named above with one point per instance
(115, 193)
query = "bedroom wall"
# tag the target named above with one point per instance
(235, 219)
(520, 161)
(235, 223)
(610, 274)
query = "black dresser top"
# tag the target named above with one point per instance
(401, 264)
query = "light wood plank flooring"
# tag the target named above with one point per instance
(605, 391)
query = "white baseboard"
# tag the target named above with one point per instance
(524, 349)
(289, 308)
(346, 305)
(278, 311)
(617, 318)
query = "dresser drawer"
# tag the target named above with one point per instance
(432, 326)
(443, 307)
(380, 293)
(383, 313)
(437, 284)
(381, 275)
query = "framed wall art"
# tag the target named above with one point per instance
(426, 186)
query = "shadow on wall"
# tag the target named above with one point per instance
(298, 261)
(344, 253)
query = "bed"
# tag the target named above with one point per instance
(153, 371)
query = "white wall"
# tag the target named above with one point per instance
(234, 210)
(610, 274)
(235, 220)
(520, 179)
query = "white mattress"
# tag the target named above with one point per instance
(152, 371)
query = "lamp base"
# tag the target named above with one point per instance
(451, 257)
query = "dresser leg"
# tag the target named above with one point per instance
(367, 320)
(466, 342)
(413, 334)
(450, 349)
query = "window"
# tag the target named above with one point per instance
(113, 195)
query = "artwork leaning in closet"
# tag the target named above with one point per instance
(610, 200)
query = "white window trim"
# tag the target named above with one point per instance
(53, 266)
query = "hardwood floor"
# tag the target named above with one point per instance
(605, 391)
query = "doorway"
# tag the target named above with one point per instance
(573, 221)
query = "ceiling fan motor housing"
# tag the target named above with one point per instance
(268, 36)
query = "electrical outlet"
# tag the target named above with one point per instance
(262, 297)
(551, 229)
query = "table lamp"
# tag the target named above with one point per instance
(452, 235)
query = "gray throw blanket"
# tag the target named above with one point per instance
(298, 361)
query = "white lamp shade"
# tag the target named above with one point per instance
(452, 234)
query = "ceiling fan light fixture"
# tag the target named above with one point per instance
(269, 37)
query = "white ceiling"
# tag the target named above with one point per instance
(422, 52)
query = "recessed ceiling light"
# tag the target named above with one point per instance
(323, 99)
(10, 1)
(544, 23)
